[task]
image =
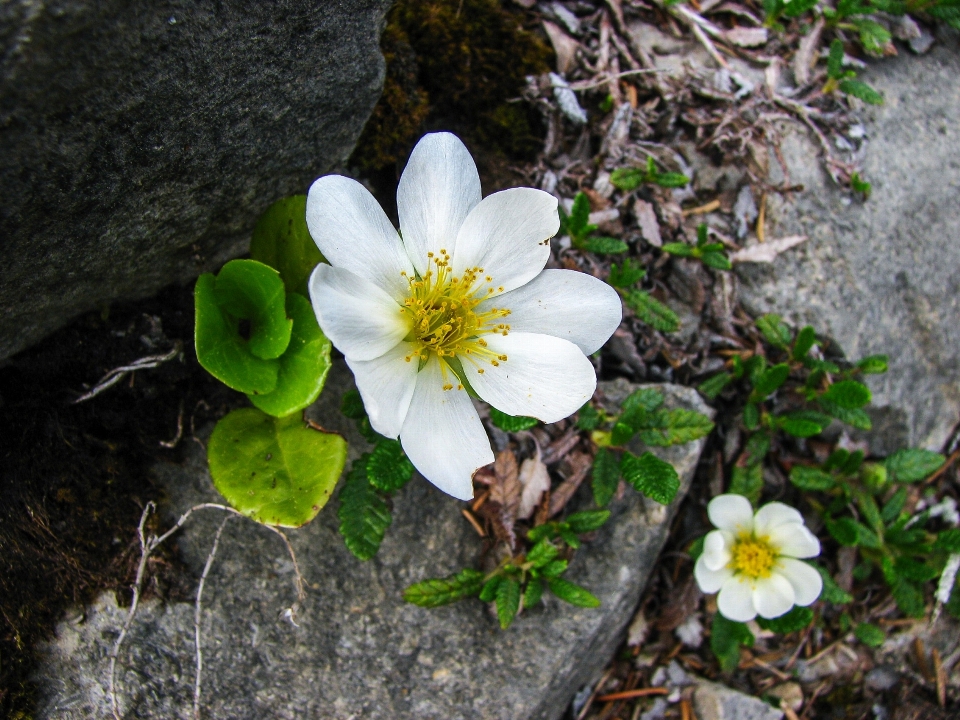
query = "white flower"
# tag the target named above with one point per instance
(752, 559)
(462, 299)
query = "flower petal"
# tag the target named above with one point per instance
(807, 583)
(358, 317)
(795, 540)
(508, 235)
(352, 232)
(772, 515)
(442, 434)
(716, 549)
(731, 512)
(735, 600)
(567, 304)
(386, 385)
(710, 581)
(543, 376)
(773, 596)
(438, 189)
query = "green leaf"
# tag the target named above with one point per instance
(848, 394)
(713, 386)
(532, 593)
(803, 423)
(508, 601)
(873, 36)
(627, 179)
(796, 8)
(774, 330)
(751, 416)
(852, 464)
(868, 506)
(678, 248)
(443, 591)
(855, 418)
(675, 427)
(647, 399)
(282, 241)
(909, 598)
(756, 449)
(804, 341)
(911, 465)
(511, 423)
(222, 351)
(652, 312)
(874, 364)
(626, 274)
(388, 468)
(604, 245)
(276, 471)
(948, 540)
(770, 380)
(810, 478)
(248, 290)
(844, 531)
(832, 593)
(717, 260)
(696, 548)
(861, 90)
(606, 476)
(747, 481)
(303, 366)
(488, 593)
(588, 417)
(621, 434)
(587, 520)
(670, 180)
(870, 634)
(858, 184)
(554, 568)
(579, 219)
(571, 593)
(651, 476)
(352, 405)
(835, 60)
(726, 637)
(793, 620)
(894, 505)
(914, 569)
(364, 516)
(542, 553)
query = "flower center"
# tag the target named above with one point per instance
(753, 557)
(445, 320)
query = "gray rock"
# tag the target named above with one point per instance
(140, 141)
(712, 701)
(358, 649)
(883, 276)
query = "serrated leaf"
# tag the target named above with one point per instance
(568, 536)
(868, 506)
(625, 274)
(756, 449)
(352, 405)
(855, 418)
(276, 471)
(364, 516)
(572, 593)
(747, 481)
(606, 476)
(511, 423)
(852, 464)
(914, 569)
(751, 416)
(810, 478)
(874, 364)
(796, 8)
(774, 330)
(726, 637)
(621, 434)
(388, 467)
(835, 60)
(542, 553)
(912, 465)
(861, 90)
(488, 593)
(793, 620)
(804, 341)
(716, 260)
(713, 386)
(578, 220)
(532, 593)
(800, 427)
(588, 417)
(627, 179)
(282, 241)
(873, 36)
(604, 245)
(909, 598)
(554, 568)
(870, 634)
(678, 248)
(443, 591)
(652, 312)
(670, 180)
(647, 399)
(848, 394)
(894, 505)
(844, 531)
(948, 540)
(675, 427)
(508, 602)
(832, 593)
(770, 380)
(650, 476)
(587, 520)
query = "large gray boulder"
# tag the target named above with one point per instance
(140, 141)
(359, 651)
(883, 276)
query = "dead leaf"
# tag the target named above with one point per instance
(683, 603)
(768, 251)
(502, 528)
(807, 53)
(535, 481)
(746, 37)
(647, 222)
(561, 446)
(638, 630)
(745, 211)
(580, 464)
(506, 490)
(564, 45)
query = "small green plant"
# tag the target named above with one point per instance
(859, 185)
(776, 9)
(845, 80)
(648, 309)
(628, 179)
(582, 233)
(712, 254)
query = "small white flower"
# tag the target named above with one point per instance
(462, 299)
(752, 559)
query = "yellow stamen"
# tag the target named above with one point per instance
(753, 557)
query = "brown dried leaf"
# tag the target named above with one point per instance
(558, 449)
(807, 53)
(506, 490)
(768, 251)
(746, 37)
(647, 222)
(564, 45)
(683, 602)
(502, 529)
(535, 481)
(580, 464)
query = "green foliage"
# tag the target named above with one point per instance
(571, 593)
(277, 471)
(626, 274)
(726, 638)
(363, 512)
(510, 423)
(913, 465)
(388, 467)
(650, 476)
(437, 592)
(713, 386)
(948, 541)
(628, 179)
(810, 478)
(774, 330)
(870, 634)
(282, 241)
(712, 254)
(871, 35)
(604, 245)
(832, 593)
(508, 601)
(587, 521)
(847, 394)
(577, 225)
(747, 481)
(794, 620)
(859, 185)
(588, 417)
(652, 312)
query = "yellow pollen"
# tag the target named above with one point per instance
(753, 557)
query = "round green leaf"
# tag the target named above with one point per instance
(276, 471)
(282, 241)
(304, 365)
(249, 290)
(220, 349)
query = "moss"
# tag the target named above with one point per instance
(453, 65)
